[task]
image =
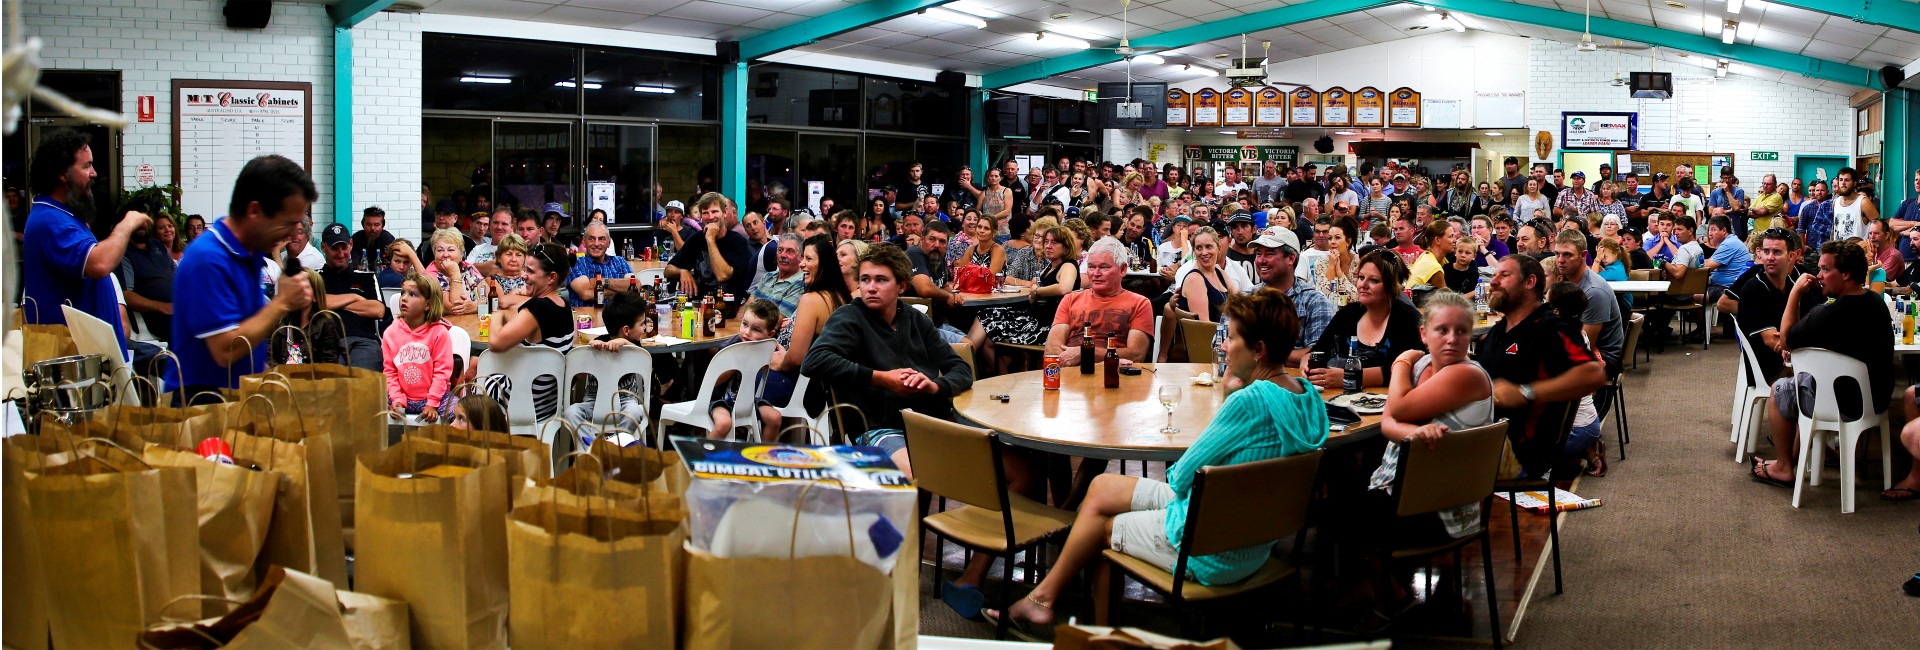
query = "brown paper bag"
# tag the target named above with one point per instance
(126, 432)
(1094, 637)
(636, 464)
(235, 507)
(347, 401)
(123, 537)
(525, 456)
(23, 621)
(304, 532)
(292, 610)
(42, 342)
(436, 541)
(580, 482)
(565, 554)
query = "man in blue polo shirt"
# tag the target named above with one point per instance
(63, 261)
(218, 301)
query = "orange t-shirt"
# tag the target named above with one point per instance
(1111, 316)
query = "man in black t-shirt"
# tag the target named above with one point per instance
(1759, 298)
(1855, 323)
(930, 276)
(352, 295)
(1240, 245)
(1539, 366)
(701, 270)
(373, 238)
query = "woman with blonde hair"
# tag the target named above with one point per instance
(318, 340)
(1129, 190)
(1025, 257)
(848, 254)
(461, 284)
(509, 281)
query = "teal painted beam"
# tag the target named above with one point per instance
(839, 22)
(733, 129)
(1178, 38)
(977, 132)
(1686, 41)
(347, 13)
(1897, 14)
(1900, 146)
(343, 158)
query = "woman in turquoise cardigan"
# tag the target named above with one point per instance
(1267, 414)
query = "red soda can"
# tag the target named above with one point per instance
(649, 256)
(216, 450)
(1051, 372)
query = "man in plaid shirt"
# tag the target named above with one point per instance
(1578, 198)
(1815, 223)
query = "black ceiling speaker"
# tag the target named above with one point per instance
(1324, 144)
(248, 14)
(1891, 76)
(950, 78)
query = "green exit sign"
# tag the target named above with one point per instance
(1765, 155)
(1093, 96)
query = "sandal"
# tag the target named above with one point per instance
(965, 600)
(1759, 475)
(1023, 630)
(1904, 494)
(1597, 458)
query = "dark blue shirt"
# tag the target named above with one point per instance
(149, 273)
(217, 286)
(54, 252)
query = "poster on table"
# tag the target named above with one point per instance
(1179, 107)
(1269, 107)
(1336, 107)
(218, 126)
(1237, 107)
(1599, 130)
(1403, 108)
(1206, 107)
(1369, 107)
(1303, 107)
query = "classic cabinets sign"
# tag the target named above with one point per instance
(218, 126)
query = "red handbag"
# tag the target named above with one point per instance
(973, 278)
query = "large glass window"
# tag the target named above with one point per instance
(650, 85)
(456, 159)
(534, 164)
(914, 107)
(887, 160)
(623, 156)
(770, 161)
(461, 73)
(688, 164)
(833, 159)
(800, 97)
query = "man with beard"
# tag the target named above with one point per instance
(1276, 255)
(1538, 363)
(353, 296)
(64, 262)
(1852, 209)
(373, 237)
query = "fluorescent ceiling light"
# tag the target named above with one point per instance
(591, 85)
(955, 17)
(1343, 133)
(1074, 31)
(1198, 71)
(1055, 39)
(486, 80)
(1426, 8)
(1494, 134)
(1734, 6)
(1229, 133)
(657, 90)
(1149, 59)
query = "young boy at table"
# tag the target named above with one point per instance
(622, 320)
(758, 321)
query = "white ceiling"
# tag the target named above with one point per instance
(1008, 38)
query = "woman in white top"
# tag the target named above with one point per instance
(1532, 200)
(1173, 251)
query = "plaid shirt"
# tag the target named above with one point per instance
(1815, 224)
(1583, 202)
(612, 267)
(1315, 311)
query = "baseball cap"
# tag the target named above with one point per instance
(1512, 160)
(676, 205)
(1276, 237)
(1181, 217)
(335, 234)
(1579, 174)
(1240, 217)
(554, 208)
(1399, 177)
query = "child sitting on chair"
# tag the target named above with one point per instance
(757, 323)
(418, 351)
(622, 320)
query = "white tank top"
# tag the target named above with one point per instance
(1847, 220)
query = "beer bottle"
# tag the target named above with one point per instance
(599, 292)
(1086, 349)
(1113, 363)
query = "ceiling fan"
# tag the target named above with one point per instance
(1586, 38)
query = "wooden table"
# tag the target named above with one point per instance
(471, 324)
(1086, 419)
(1017, 295)
(1639, 286)
(643, 265)
(1484, 323)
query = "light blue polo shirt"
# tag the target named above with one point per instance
(54, 256)
(216, 287)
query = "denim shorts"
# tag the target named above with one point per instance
(888, 440)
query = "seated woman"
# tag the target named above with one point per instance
(1025, 258)
(460, 282)
(319, 337)
(1028, 324)
(1383, 324)
(543, 320)
(827, 290)
(1438, 252)
(509, 282)
(1584, 440)
(1204, 289)
(984, 252)
(1267, 414)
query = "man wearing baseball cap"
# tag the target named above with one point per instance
(354, 296)
(1577, 199)
(1513, 180)
(1276, 252)
(1240, 230)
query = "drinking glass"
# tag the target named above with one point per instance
(1170, 398)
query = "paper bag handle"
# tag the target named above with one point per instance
(794, 536)
(233, 379)
(285, 384)
(272, 411)
(115, 445)
(195, 629)
(26, 300)
(304, 340)
(587, 502)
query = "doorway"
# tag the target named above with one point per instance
(1811, 168)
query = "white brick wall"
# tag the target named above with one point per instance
(386, 118)
(1736, 114)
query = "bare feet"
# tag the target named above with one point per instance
(1027, 610)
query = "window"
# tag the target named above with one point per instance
(914, 107)
(798, 97)
(650, 85)
(461, 73)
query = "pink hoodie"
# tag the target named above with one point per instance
(418, 362)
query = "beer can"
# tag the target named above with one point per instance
(216, 450)
(1051, 374)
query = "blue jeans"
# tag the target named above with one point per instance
(1581, 438)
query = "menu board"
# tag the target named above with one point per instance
(1369, 107)
(1206, 107)
(1336, 107)
(1238, 111)
(1403, 108)
(219, 126)
(1179, 107)
(1303, 107)
(1269, 107)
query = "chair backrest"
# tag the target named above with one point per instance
(1159, 339)
(392, 298)
(1170, 330)
(646, 276)
(1750, 372)
(1199, 337)
(1643, 274)
(922, 304)
(1695, 281)
(462, 344)
(747, 358)
(965, 350)
(1237, 506)
(1634, 325)
(953, 461)
(1457, 471)
(1826, 368)
(522, 365)
(607, 370)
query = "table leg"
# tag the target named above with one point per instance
(1083, 479)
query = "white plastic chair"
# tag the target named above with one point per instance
(796, 407)
(1748, 398)
(1159, 353)
(607, 369)
(646, 276)
(522, 365)
(1827, 367)
(462, 345)
(748, 359)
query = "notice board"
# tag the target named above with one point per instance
(220, 125)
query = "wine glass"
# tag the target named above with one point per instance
(1170, 398)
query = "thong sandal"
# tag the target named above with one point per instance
(1023, 630)
(1759, 475)
(1905, 494)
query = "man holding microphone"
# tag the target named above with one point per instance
(222, 314)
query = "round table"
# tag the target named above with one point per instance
(1086, 419)
(1008, 296)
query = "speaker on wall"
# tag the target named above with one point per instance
(1891, 76)
(950, 78)
(1323, 145)
(248, 14)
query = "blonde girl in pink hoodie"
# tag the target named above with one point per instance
(418, 351)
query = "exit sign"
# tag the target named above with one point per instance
(1092, 96)
(1765, 155)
